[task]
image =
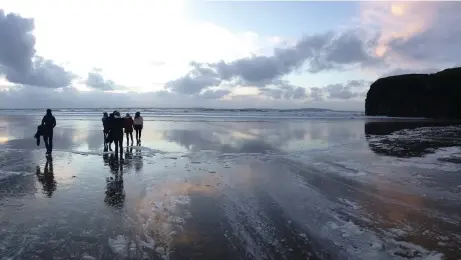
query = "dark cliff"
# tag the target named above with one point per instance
(435, 95)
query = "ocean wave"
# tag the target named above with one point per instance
(246, 113)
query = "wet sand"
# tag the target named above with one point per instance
(290, 189)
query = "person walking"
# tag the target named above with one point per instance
(117, 132)
(138, 124)
(48, 123)
(105, 125)
(110, 138)
(128, 125)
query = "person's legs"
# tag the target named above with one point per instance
(140, 131)
(109, 140)
(121, 144)
(106, 136)
(137, 133)
(116, 144)
(127, 140)
(45, 140)
(131, 135)
(118, 139)
(50, 141)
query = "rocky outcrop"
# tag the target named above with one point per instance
(435, 95)
(412, 138)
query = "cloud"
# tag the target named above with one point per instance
(343, 91)
(415, 35)
(316, 94)
(358, 83)
(96, 80)
(402, 71)
(215, 94)
(320, 52)
(18, 61)
(285, 91)
(38, 97)
(193, 83)
(348, 48)
(340, 91)
(439, 41)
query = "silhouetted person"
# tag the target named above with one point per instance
(115, 194)
(110, 138)
(128, 125)
(117, 132)
(48, 123)
(105, 125)
(138, 123)
(47, 178)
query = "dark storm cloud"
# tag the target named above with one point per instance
(18, 61)
(320, 52)
(97, 81)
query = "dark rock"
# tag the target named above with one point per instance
(435, 95)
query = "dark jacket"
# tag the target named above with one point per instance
(48, 122)
(116, 127)
(106, 123)
(38, 134)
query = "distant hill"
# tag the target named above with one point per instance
(436, 95)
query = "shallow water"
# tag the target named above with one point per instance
(290, 189)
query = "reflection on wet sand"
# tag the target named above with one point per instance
(46, 178)
(234, 191)
(137, 160)
(394, 138)
(115, 192)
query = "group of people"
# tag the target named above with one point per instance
(114, 126)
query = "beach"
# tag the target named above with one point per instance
(232, 185)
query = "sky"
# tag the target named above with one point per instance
(217, 54)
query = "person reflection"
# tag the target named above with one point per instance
(137, 160)
(115, 193)
(105, 156)
(47, 177)
(128, 157)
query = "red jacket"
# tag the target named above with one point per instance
(128, 123)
